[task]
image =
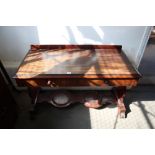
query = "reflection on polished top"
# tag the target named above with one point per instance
(76, 61)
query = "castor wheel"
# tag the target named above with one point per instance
(61, 99)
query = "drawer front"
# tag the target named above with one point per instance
(77, 82)
(123, 82)
(65, 82)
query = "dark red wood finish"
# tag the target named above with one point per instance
(77, 65)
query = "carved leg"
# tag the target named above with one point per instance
(33, 93)
(93, 104)
(92, 100)
(119, 95)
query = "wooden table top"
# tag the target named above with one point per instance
(76, 61)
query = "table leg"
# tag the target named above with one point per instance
(33, 93)
(119, 95)
(93, 104)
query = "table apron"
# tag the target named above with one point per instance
(51, 82)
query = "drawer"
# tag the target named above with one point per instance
(61, 82)
(66, 82)
(77, 82)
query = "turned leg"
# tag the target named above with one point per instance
(93, 104)
(33, 93)
(119, 95)
(92, 100)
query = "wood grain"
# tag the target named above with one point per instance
(105, 62)
(76, 82)
(94, 64)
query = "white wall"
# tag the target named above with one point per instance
(15, 41)
(132, 38)
(147, 65)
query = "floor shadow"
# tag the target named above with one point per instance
(48, 117)
(138, 95)
(115, 123)
(145, 114)
(77, 116)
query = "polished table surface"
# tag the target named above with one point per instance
(106, 62)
